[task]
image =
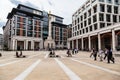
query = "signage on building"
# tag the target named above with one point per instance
(37, 12)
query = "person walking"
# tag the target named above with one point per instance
(110, 56)
(68, 53)
(95, 55)
(106, 51)
(73, 52)
(101, 55)
(92, 52)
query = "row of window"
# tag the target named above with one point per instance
(23, 26)
(29, 33)
(109, 8)
(108, 18)
(102, 9)
(110, 1)
(30, 21)
(90, 28)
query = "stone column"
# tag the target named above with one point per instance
(89, 40)
(26, 44)
(113, 40)
(13, 45)
(99, 41)
(82, 42)
(68, 44)
(32, 45)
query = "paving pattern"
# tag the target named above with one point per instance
(38, 66)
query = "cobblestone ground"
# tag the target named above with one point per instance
(38, 66)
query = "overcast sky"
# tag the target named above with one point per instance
(63, 8)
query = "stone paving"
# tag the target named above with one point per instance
(38, 66)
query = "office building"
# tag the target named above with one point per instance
(96, 24)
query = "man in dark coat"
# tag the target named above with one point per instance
(110, 56)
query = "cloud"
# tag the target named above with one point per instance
(1, 26)
(27, 3)
(50, 3)
(2, 23)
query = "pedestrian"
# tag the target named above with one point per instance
(0, 55)
(68, 53)
(110, 56)
(92, 52)
(101, 55)
(106, 51)
(95, 55)
(73, 51)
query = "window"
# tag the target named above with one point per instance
(78, 27)
(115, 9)
(18, 25)
(85, 23)
(108, 24)
(119, 18)
(80, 31)
(116, 2)
(95, 9)
(86, 29)
(102, 7)
(89, 21)
(101, 0)
(29, 33)
(75, 28)
(75, 22)
(90, 28)
(114, 18)
(109, 8)
(109, 1)
(101, 17)
(18, 32)
(94, 18)
(89, 12)
(85, 15)
(24, 20)
(108, 18)
(77, 32)
(30, 22)
(81, 18)
(81, 25)
(102, 25)
(78, 20)
(18, 19)
(95, 26)
(83, 31)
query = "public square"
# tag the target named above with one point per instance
(39, 66)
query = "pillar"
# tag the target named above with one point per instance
(82, 43)
(89, 41)
(26, 45)
(68, 44)
(13, 47)
(99, 41)
(32, 45)
(113, 40)
(76, 43)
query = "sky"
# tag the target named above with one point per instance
(63, 8)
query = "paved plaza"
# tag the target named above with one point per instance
(38, 66)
